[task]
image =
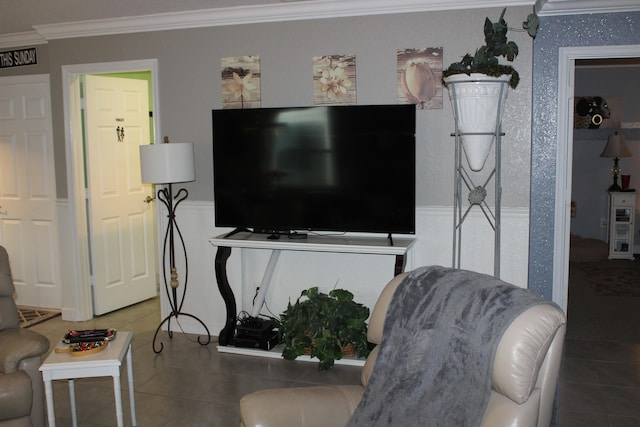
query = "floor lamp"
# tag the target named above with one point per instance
(168, 164)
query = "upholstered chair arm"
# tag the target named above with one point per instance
(323, 406)
(18, 344)
(15, 393)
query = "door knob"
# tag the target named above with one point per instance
(149, 199)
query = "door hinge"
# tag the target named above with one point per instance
(83, 103)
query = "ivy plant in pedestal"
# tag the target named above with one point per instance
(485, 61)
(477, 87)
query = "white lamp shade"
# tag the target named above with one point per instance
(616, 147)
(167, 163)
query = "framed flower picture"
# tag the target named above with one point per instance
(334, 79)
(240, 82)
(420, 77)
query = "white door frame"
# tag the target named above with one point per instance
(78, 242)
(564, 155)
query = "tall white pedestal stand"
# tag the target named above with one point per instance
(464, 179)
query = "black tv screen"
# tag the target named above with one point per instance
(329, 168)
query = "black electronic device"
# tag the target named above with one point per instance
(255, 327)
(264, 343)
(324, 168)
(255, 332)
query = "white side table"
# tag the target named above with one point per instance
(59, 366)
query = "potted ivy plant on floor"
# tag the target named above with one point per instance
(478, 87)
(325, 326)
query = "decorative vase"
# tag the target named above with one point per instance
(478, 102)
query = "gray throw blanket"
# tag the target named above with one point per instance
(439, 341)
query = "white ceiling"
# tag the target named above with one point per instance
(33, 21)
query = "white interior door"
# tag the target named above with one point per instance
(121, 224)
(28, 220)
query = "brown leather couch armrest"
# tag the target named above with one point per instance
(17, 344)
(323, 406)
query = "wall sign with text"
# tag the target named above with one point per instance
(18, 58)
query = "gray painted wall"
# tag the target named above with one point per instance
(556, 32)
(189, 63)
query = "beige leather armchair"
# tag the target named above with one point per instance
(523, 383)
(21, 351)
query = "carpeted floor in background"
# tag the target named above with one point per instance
(604, 301)
(30, 316)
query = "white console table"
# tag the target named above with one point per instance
(311, 243)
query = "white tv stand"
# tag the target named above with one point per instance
(312, 243)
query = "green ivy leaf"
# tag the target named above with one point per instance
(511, 51)
(532, 24)
(341, 295)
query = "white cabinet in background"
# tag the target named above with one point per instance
(622, 208)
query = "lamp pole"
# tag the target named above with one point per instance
(165, 195)
(616, 171)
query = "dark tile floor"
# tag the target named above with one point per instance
(188, 384)
(600, 384)
(600, 374)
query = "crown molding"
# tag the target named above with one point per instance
(578, 7)
(28, 38)
(275, 12)
(292, 11)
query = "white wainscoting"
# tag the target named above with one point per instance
(364, 275)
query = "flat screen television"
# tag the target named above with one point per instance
(324, 168)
